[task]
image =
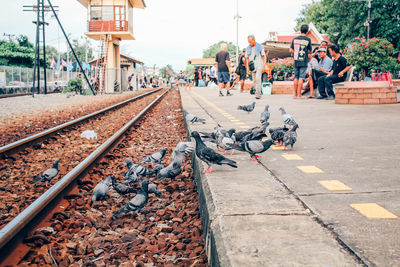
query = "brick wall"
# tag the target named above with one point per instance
(282, 88)
(396, 82)
(367, 93)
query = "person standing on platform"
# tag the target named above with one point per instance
(222, 58)
(242, 69)
(255, 62)
(301, 48)
(189, 75)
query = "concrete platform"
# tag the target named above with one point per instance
(273, 214)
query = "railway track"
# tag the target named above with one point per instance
(23, 160)
(60, 228)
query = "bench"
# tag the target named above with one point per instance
(348, 79)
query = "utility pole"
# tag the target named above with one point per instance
(237, 17)
(44, 49)
(369, 18)
(40, 10)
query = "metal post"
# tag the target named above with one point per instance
(73, 52)
(369, 18)
(44, 50)
(237, 17)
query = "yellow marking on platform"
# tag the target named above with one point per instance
(209, 103)
(240, 123)
(373, 211)
(234, 120)
(334, 185)
(245, 127)
(309, 169)
(292, 157)
(277, 147)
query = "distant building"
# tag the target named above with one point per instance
(278, 45)
(128, 67)
(110, 21)
(203, 62)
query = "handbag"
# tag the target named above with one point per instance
(251, 64)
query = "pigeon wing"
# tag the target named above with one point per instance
(254, 146)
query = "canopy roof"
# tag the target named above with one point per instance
(135, 3)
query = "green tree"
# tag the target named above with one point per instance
(213, 49)
(13, 54)
(167, 70)
(344, 20)
(80, 51)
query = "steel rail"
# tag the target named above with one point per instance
(27, 215)
(34, 137)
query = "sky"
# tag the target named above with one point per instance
(166, 32)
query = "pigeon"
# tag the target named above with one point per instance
(101, 189)
(208, 155)
(183, 147)
(290, 137)
(122, 188)
(257, 133)
(265, 115)
(224, 139)
(278, 133)
(208, 137)
(287, 118)
(155, 157)
(248, 108)
(254, 147)
(153, 189)
(136, 168)
(48, 174)
(138, 202)
(157, 168)
(193, 118)
(239, 136)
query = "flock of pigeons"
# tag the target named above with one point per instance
(253, 141)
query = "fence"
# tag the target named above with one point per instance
(20, 80)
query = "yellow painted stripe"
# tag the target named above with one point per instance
(209, 103)
(245, 127)
(277, 147)
(240, 123)
(292, 157)
(309, 169)
(373, 211)
(234, 120)
(334, 185)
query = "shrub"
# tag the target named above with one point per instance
(75, 85)
(283, 65)
(371, 55)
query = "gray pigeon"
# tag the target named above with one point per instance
(136, 168)
(153, 189)
(193, 118)
(208, 155)
(278, 133)
(287, 118)
(101, 189)
(183, 148)
(155, 157)
(254, 147)
(122, 188)
(248, 108)
(290, 137)
(265, 115)
(257, 133)
(138, 202)
(48, 174)
(224, 139)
